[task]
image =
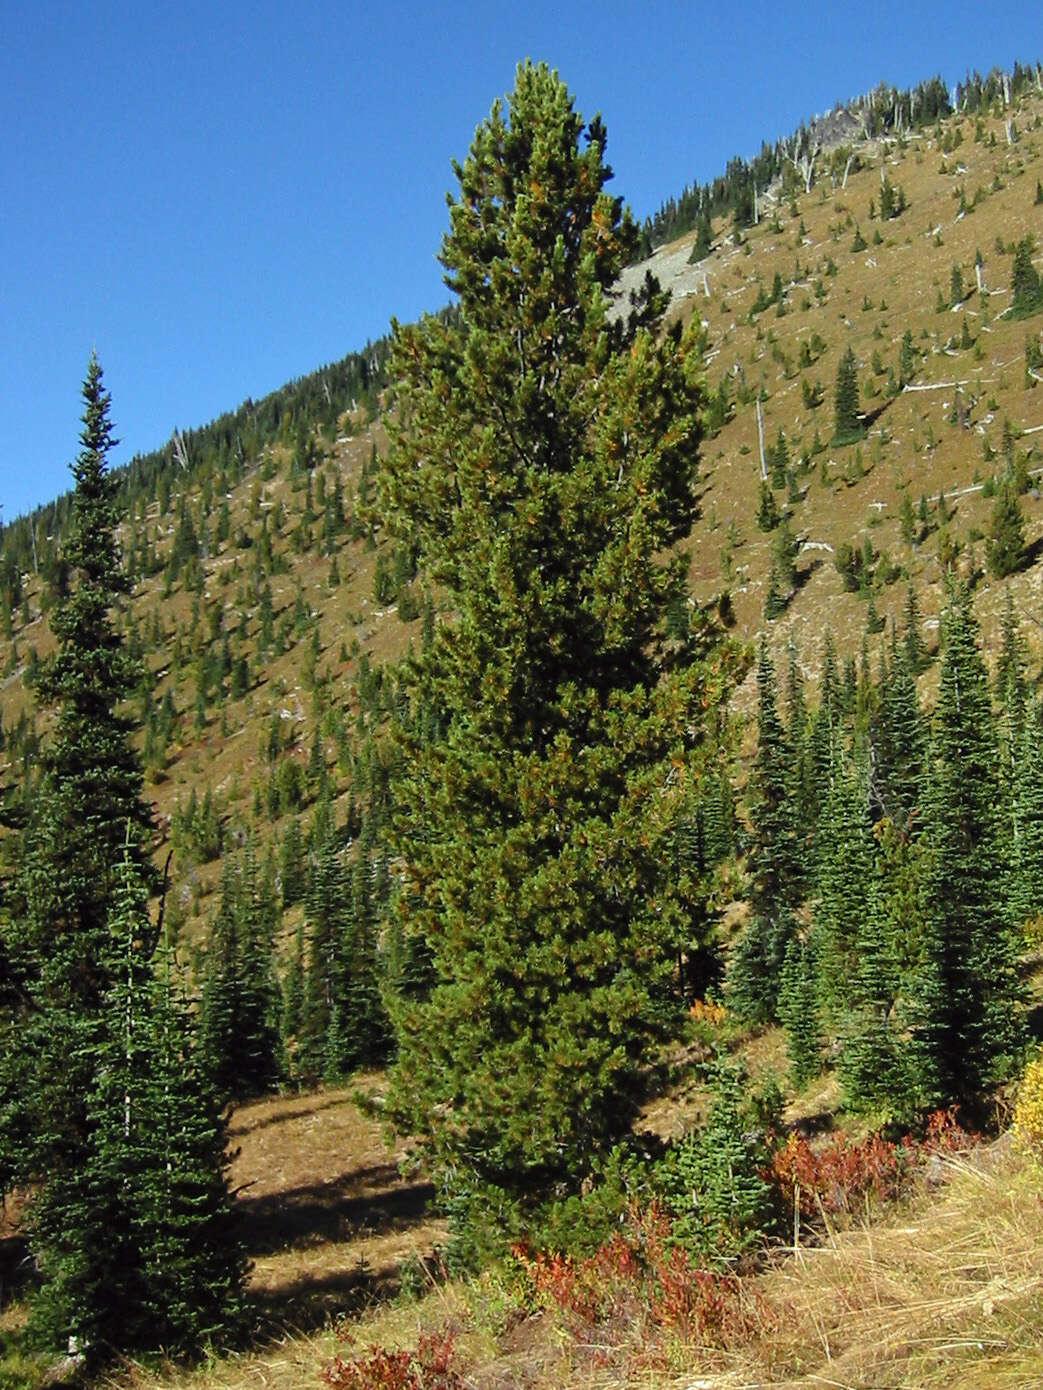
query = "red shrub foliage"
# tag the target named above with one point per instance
(639, 1281)
(427, 1368)
(833, 1180)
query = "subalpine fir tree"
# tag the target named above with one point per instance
(871, 1063)
(1010, 683)
(913, 645)
(773, 862)
(768, 514)
(712, 1180)
(358, 1033)
(239, 1009)
(1026, 287)
(844, 867)
(967, 1024)
(1025, 852)
(804, 789)
(58, 938)
(897, 747)
(847, 424)
(138, 1244)
(1005, 547)
(824, 729)
(798, 1010)
(542, 462)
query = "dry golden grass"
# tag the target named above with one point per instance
(328, 1217)
(945, 1292)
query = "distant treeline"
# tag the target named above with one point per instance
(883, 111)
(227, 445)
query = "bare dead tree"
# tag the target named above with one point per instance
(180, 452)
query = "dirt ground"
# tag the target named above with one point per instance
(327, 1216)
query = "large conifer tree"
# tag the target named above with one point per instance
(138, 1242)
(964, 1005)
(542, 461)
(88, 817)
(101, 1108)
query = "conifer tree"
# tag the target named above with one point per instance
(798, 728)
(138, 1243)
(773, 863)
(59, 941)
(1005, 547)
(768, 514)
(358, 1032)
(798, 1010)
(897, 743)
(542, 462)
(965, 1007)
(1026, 287)
(913, 646)
(1026, 820)
(239, 1009)
(713, 1180)
(843, 869)
(1010, 685)
(871, 1063)
(847, 425)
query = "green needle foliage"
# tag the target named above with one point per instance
(847, 422)
(542, 461)
(58, 941)
(773, 861)
(1005, 547)
(138, 1244)
(967, 1026)
(103, 1108)
(240, 1004)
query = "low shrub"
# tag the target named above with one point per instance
(640, 1284)
(844, 1176)
(1028, 1111)
(427, 1367)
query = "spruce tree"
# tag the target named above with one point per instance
(542, 462)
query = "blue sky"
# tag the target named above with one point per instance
(221, 197)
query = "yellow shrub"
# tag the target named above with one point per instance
(1028, 1112)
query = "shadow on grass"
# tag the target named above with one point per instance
(311, 1302)
(242, 1124)
(360, 1203)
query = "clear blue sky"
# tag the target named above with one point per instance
(220, 197)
